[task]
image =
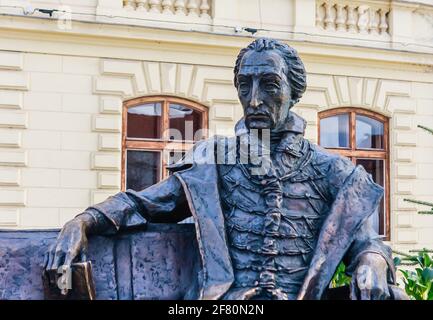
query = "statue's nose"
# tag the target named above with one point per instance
(255, 102)
(255, 97)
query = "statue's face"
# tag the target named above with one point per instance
(263, 89)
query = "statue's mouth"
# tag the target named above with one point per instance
(258, 117)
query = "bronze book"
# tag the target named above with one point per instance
(78, 285)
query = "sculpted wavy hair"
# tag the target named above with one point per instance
(296, 73)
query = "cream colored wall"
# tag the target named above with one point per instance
(61, 94)
(61, 125)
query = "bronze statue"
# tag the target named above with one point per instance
(276, 228)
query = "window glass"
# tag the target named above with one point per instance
(369, 133)
(184, 122)
(334, 131)
(376, 168)
(142, 169)
(144, 121)
(365, 146)
(148, 147)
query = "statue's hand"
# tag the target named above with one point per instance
(369, 281)
(71, 243)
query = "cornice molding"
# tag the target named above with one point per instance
(220, 47)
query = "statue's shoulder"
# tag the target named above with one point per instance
(333, 165)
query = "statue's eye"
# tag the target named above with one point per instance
(271, 87)
(244, 88)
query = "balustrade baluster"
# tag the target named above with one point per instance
(383, 26)
(351, 22)
(154, 6)
(341, 19)
(141, 5)
(166, 6)
(204, 8)
(329, 21)
(192, 8)
(129, 5)
(362, 19)
(373, 23)
(319, 18)
(179, 5)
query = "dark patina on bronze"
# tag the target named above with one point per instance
(276, 229)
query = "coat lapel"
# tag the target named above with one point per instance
(200, 183)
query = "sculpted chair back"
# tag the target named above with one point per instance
(160, 263)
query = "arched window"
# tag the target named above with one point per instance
(362, 136)
(157, 131)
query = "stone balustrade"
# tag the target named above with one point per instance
(391, 24)
(353, 17)
(193, 8)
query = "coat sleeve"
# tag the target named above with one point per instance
(367, 240)
(162, 202)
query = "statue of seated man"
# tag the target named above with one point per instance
(274, 214)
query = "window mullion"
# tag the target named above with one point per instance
(123, 160)
(165, 120)
(352, 131)
(155, 145)
(163, 171)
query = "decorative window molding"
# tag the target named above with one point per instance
(156, 132)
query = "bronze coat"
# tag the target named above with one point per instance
(356, 200)
(193, 190)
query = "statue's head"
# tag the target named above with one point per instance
(270, 78)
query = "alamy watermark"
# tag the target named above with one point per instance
(252, 148)
(64, 279)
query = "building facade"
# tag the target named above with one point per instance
(89, 87)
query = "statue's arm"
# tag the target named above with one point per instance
(369, 262)
(163, 202)
(368, 259)
(368, 243)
